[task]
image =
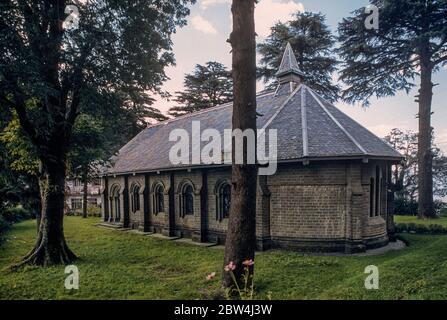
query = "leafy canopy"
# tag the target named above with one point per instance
(118, 52)
(412, 35)
(313, 45)
(406, 174)
(207, 86)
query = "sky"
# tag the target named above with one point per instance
(208, 28)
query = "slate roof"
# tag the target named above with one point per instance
(308, 127)
(289, 63)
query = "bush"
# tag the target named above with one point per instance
(405, 207)
(12, 215)
(70, 213)
(437, 229)
(420, 228)
(3, 225)
(439, 207)
(93, 211)
(16, 214)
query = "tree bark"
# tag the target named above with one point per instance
(241, 235)
(84, 193)
(36, 182)
(50, 247)
(425, 155)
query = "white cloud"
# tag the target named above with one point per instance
(203, 25)
(267, 12)
(441, 138)
(204, 4)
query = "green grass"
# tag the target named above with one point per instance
(414, 219)
(122, 265)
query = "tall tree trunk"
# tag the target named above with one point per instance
(241, 237)
(425, 155)
(84, 193)
(40, 180)
(50, 247)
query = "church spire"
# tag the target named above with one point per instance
(289, 71)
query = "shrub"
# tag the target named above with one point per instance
(412, 227)
(93, 211)
(70, 213)
(437, 229)
(420, 228)
(405, 207)
(16, 214)
(3, 225)
(440, 207)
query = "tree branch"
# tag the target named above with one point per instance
(20, 107)
(442, 59)
(440, 45)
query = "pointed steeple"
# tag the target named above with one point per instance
(289, 71)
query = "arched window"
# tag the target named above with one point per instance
(187, 201)
(223, 201)
(375, 193)
(159, 199)
(378, 190)
(115, 203)
(135, 198)
(371, 197)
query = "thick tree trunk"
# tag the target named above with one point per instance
(241, 234)
(39, 209)
(50, 247)
(84, 194)
(425, 155)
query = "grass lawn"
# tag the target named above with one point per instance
(414, 219)
(122, 265)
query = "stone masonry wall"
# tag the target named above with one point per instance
(136, 219)
(189, 223)
(322, 201)
(374, 226)
(308, 201)
(159, 220)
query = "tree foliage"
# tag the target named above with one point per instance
(52, 71)
(313, 45)
(18, 183)
(21, 151)
(381, 62)
(410, 43)
(405, 175)
(207, 86)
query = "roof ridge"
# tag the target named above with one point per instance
(331, 116)
(282, 107)
(188, 115)
(304, 123)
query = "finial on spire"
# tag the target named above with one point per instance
(289, 71)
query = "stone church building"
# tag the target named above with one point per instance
(331, 191)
